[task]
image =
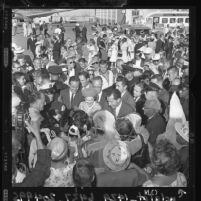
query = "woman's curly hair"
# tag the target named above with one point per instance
(173, 164)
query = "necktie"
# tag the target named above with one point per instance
(71, 100)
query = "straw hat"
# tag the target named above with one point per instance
(116, 155)
(59, 148)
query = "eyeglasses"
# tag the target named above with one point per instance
(146, 108)
(95, 63)
(71, 62)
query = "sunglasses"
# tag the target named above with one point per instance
(95, 63)
(71, 62)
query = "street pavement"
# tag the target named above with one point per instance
(20, 40)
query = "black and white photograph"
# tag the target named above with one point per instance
(100, 98)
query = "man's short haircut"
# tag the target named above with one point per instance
(21, 56)
(115, 92)
(118, 60)
(174, 69)
(74, 79)
(158, 77)
(98, 78)
(85, 74)
(123, 80)
(83, 60)
(103, 62)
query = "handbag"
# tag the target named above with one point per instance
(141, 158)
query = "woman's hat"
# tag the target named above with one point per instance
(18, 50)
(116, 155)
(89, 92)
(59, 149)
(183, 130)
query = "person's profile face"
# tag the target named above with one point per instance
(120, 87)
(137, 91)
(112, 102)
(84, 82)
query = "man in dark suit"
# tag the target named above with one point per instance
(117, 106)
(121, 85)
(31, 44)
(138, 61)
(97, 83)
(72, 96)
(160, 43)
(156, 124)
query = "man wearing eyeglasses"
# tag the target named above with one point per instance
(72, 96)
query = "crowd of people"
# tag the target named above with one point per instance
(111, 110)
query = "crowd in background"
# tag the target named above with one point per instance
(107, 111)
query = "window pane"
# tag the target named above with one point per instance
(172, 20)
(180, 20)
(187, 20)
(164, 20)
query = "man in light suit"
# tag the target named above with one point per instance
(121, 85)
(118, 107)
(72, 95)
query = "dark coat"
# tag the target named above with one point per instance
(65, 98)
(127, 98)
(31, 45)
(141, 63)
(41, 171)
(156, 126)
(159, 46)
(125, 110)
(103, 100)
(124, 178)
(139, 109)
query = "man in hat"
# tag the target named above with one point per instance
(148, 52)
(155, 123)
(154, 66)
(55, 72)
(19, 51)
(56, 48)
(122, 85)
(160, 43)
(77, 32)
(72, 96)
(31, 44)
(117, 106)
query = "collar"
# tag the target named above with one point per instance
(118, 109)
(123, 93)
(99, 96)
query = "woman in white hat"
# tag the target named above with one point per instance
(90, 106)
(61, 168)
